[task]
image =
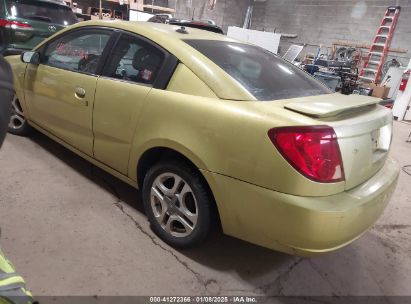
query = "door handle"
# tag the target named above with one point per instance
(80, 92)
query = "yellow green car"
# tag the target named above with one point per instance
(214, 132)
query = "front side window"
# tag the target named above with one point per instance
(41, 11)
(79, 51)
(134, 60)
(263, 74)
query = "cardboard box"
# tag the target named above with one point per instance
(379, 92)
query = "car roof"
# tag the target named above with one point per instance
(59, 2)
(158, 29)
(169, 38)
(199, 25)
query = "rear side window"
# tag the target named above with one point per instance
(41, 11)
(134, 60)
(263, 74)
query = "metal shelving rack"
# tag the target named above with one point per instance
(137, 5)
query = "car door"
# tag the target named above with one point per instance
(60, 90)
(135, 67)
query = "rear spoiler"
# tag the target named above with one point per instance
(330, 105)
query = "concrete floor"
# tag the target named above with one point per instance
(72, 229)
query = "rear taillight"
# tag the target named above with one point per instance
(14, 24)
(311, 150)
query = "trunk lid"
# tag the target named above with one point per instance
(29, 38)
(42, 19)
(363, 128)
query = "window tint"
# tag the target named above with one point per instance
(79, 51)
(134, 60)
(262, 73)
(42, 11)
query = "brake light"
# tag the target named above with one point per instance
(311, 150)
(14, 24)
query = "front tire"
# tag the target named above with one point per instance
(178, 205)
(18, 124)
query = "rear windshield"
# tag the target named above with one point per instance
(41, 11)
(263, 74)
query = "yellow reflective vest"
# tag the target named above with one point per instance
(12, 287)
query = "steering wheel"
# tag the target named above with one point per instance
(89, 63)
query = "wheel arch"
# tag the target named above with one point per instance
(155, 154)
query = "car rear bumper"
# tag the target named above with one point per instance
(298, 225)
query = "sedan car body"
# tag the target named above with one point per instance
(213, 131)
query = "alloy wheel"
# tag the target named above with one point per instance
(174, 204)
(17, 119)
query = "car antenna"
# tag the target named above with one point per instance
(182, 30)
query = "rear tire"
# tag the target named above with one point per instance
(178, 205)
(18, 124)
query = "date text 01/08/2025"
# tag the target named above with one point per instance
(204, 299)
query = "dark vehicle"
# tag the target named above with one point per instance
(202, 25)
(6, 94)
(25, 23)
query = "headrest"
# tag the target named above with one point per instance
(145, 59)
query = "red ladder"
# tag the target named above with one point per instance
(371, 70)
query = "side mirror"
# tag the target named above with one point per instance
(31, 57)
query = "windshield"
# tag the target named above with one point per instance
(263, 74)
(41, 11)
